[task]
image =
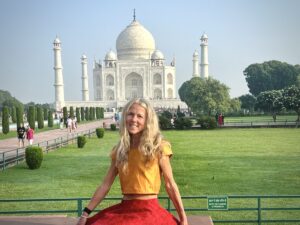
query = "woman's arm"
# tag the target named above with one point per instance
(172, 189)
(101, 191)
(104, 188)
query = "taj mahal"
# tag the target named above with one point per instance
(136, 70)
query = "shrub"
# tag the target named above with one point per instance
(183, 123)
(100, 132)
(164, 123)
(113, 127)
(34, 157)
(207, 122)
(81, 141)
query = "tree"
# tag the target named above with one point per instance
(78, 114)
(235, 105)
(270, 101)
(291, 99)
(205, 95)
(31, 117)
(40, 118)
(271, 75)
(82, 113)
(248, 102)
(13, 114)
(71, 112)
(5, 120)
(50, 118)
(20, 112)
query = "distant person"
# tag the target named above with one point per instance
(220, 119)
(21, 131)
(29, 135)
(69, 124)
(141, 159)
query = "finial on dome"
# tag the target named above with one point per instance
(133, 14)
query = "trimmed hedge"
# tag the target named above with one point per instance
(113, 127)
(34, 157)
(81, 141)
(100, 132)
(207, 122)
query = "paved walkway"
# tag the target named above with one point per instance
(12, 143)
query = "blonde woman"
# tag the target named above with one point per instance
(139, 159)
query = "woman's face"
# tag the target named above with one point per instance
(136, 119)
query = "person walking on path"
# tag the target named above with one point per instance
(140, 158)
(21, 135)
(29, 135)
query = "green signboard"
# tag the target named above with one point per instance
(217, 203)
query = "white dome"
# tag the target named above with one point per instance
(83, 56)
(135, 42)
(111, 56)
(56, 41)
(157, 55)
(204, 36)
(196, 53)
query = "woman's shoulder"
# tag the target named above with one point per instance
(165, 147)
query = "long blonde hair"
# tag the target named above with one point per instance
(150, 138)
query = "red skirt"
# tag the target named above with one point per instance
(134, 212)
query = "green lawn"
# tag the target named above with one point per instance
(217, 162)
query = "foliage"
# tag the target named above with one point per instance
(183, 123)
(65, 114)
(71, 112)
(87, 113)
(40, 118)
(235, 105)
(45, 113)
(82, 113)
(270, 101)
(13, 114)
(205, 95)
(164, 122)
(100, 132)
(248, 102)
(167, 114)
(50, 119)
(291, 99)
(34, 157)
(31, 117)
(271, 75)
(207, 122)
(7, 100)
(81, 141)
(78, 115)
(20, 112)
(113, 127)
(5, 120)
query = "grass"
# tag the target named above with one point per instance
(218, 162)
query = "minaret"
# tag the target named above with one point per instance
(204, 56)
(59, 81)
(85, 83)
(196, 64)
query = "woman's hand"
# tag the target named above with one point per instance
(82, 220)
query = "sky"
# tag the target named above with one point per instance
(240, 33)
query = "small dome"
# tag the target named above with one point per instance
(83, 56)
(135, 42)
(56, 41)
(204, 36)
(196, 53)
(157, 55)
(111, 56)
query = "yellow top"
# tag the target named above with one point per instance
(141, 177)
